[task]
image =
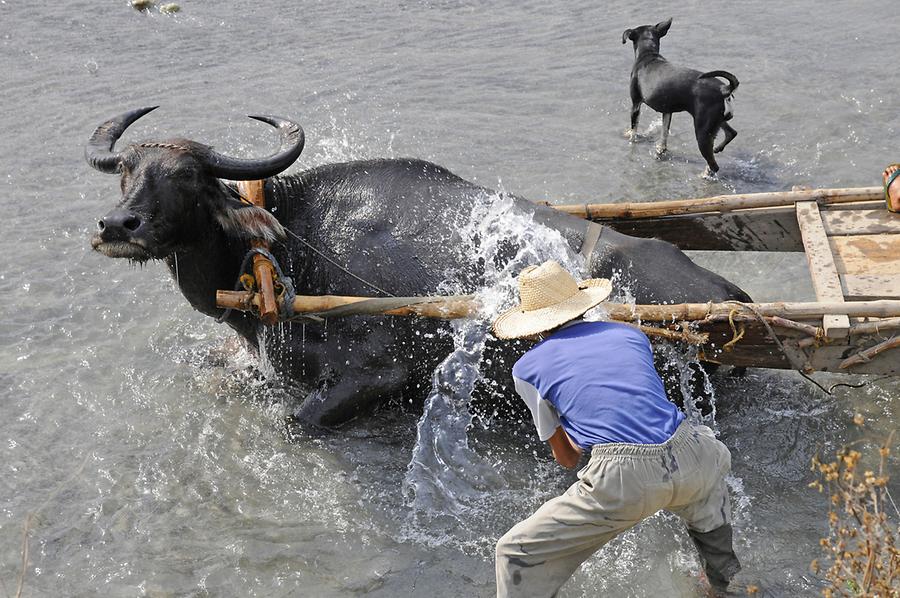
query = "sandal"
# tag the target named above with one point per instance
(888, 180)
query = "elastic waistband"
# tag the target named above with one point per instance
(681, 436)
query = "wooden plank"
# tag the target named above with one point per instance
(757, 349)
(762, 229)
(758, 352)
(860, 222)
(867, 254)
(757, 229)
(868, 287)
(822, 268)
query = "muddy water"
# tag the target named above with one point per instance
(148, 454)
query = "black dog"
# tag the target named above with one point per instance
(668, 88)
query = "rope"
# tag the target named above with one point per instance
(736, 336)
(286, 309)
(779, 343)
(168, 146)
(860, 385)
(318, 252)
(337, 265)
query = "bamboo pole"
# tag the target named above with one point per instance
(443, 307)
(790, 310)
(868, 354)
(719, 203)
(773, 320)
(685, 336)
(263, 271)
(873, 327)
(462, 306)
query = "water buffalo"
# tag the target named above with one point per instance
(393, 223)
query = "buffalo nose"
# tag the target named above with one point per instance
(119, 224)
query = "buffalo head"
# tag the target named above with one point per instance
(172, 192)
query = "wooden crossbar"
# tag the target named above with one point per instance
(467, 306)
(825, 279)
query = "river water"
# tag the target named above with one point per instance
(144, 453)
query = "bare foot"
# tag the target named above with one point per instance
(892, 192)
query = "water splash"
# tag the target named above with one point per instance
(445, 475)
(264, 362)
(446, 478)
(450, 488)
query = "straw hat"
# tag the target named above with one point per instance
(549, 297)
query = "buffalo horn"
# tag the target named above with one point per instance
(99, 150)
(239, 169)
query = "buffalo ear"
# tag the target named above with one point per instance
(242, 220)
(629, 33)
(663, 28)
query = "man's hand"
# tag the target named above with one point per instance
(566, 452)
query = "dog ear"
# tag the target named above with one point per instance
(629, 33)
(663, 28)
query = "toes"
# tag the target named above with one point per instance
(889, 171)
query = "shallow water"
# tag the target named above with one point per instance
(153, 452)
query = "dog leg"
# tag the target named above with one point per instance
(706, 135)
(636, 101)
(730, 134)
(664, 139)
(632, 134)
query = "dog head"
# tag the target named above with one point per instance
(647, 36)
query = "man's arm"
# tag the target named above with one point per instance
(566, 452)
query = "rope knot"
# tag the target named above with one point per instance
(736, 334)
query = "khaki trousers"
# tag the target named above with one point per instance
(621, 485)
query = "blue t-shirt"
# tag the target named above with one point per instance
(596, 380)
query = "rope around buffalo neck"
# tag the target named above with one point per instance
(286, 309)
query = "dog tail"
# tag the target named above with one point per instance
(732, 80)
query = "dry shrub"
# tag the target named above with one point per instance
(862, 557)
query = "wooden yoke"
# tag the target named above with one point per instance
(263, 271)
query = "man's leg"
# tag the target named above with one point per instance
(717, 554)
(538, 555)
(708, 514)
(709, 526)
